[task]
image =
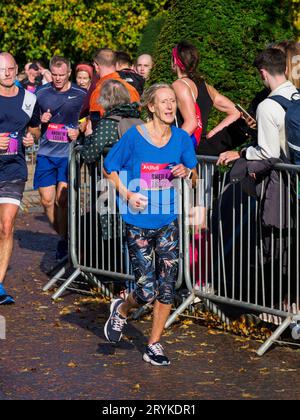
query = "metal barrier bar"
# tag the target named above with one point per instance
(234, 216)
(240, 262)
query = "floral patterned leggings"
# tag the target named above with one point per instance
(155, 277)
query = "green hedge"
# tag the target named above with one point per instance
(150, 35)
(228, 34)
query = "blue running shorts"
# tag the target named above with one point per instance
(50, 171)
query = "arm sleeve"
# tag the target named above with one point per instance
(36, 117)
(268, 138)
(188, 156)
(120, 154)
(105, 133)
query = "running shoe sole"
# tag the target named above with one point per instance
(147, 359)
(6, 300)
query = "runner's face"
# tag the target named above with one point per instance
(83, 79)
(60, 76)
(144, 66)
(8, 71)
(164, 106)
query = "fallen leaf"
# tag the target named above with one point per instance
(72, 365)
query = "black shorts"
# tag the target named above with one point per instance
(11, 192)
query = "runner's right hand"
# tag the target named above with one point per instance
(138, 201)
(46, 117)
(4, 142)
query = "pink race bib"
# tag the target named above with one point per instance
(13, 144)
(57, 133)
(31, 88)
(156, 176)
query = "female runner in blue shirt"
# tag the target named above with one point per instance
(142, 167)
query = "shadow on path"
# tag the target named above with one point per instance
(93, 316)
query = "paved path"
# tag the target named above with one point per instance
(58, 351)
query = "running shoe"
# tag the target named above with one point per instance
(115, 323)
(5, 299)
(154, 354)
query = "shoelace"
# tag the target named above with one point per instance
(118, 323)
(157, 349)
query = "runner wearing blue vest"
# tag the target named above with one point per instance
(19, 127)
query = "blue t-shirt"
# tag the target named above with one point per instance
(146, 169)
(65, 109)
(16, 114)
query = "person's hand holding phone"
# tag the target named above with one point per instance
(250, 121)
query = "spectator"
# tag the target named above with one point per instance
(115, 101)
(292, 51)
(125, 69)
(144, 65)
(148, 157)
(45, 73)
(271, 139)
(33, 79)
(84, 74)
(105, 65)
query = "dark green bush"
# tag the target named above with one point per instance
(150, 35)
(228, 34)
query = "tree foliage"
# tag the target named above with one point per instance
(229, 35)
(34, 29)
(296, 17)
(150, 34)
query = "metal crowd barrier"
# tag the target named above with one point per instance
(227, 256)
(92, 205)
(234, 260)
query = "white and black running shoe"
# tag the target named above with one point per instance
(115, 323)
(154, 354)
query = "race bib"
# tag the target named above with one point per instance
(13, 144)
(156, 176)
(31, 88)
(57, 133)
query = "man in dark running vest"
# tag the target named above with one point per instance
(19, 127)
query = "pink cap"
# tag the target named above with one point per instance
(85, 67)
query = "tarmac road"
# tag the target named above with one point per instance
(58, 350)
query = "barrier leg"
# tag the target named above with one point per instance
(66, 283)
(275, 336)
(104, 290)
(180, 309)
(141, 311)
(54, 279)
(58, 267)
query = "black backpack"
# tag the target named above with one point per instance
(292, 123)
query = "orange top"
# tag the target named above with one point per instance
(94, 106)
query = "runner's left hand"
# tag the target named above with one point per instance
(28, 140)
(73, 133)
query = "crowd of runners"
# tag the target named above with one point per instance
(45, 106)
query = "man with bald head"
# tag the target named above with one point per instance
(144, 65)
(19, 127)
